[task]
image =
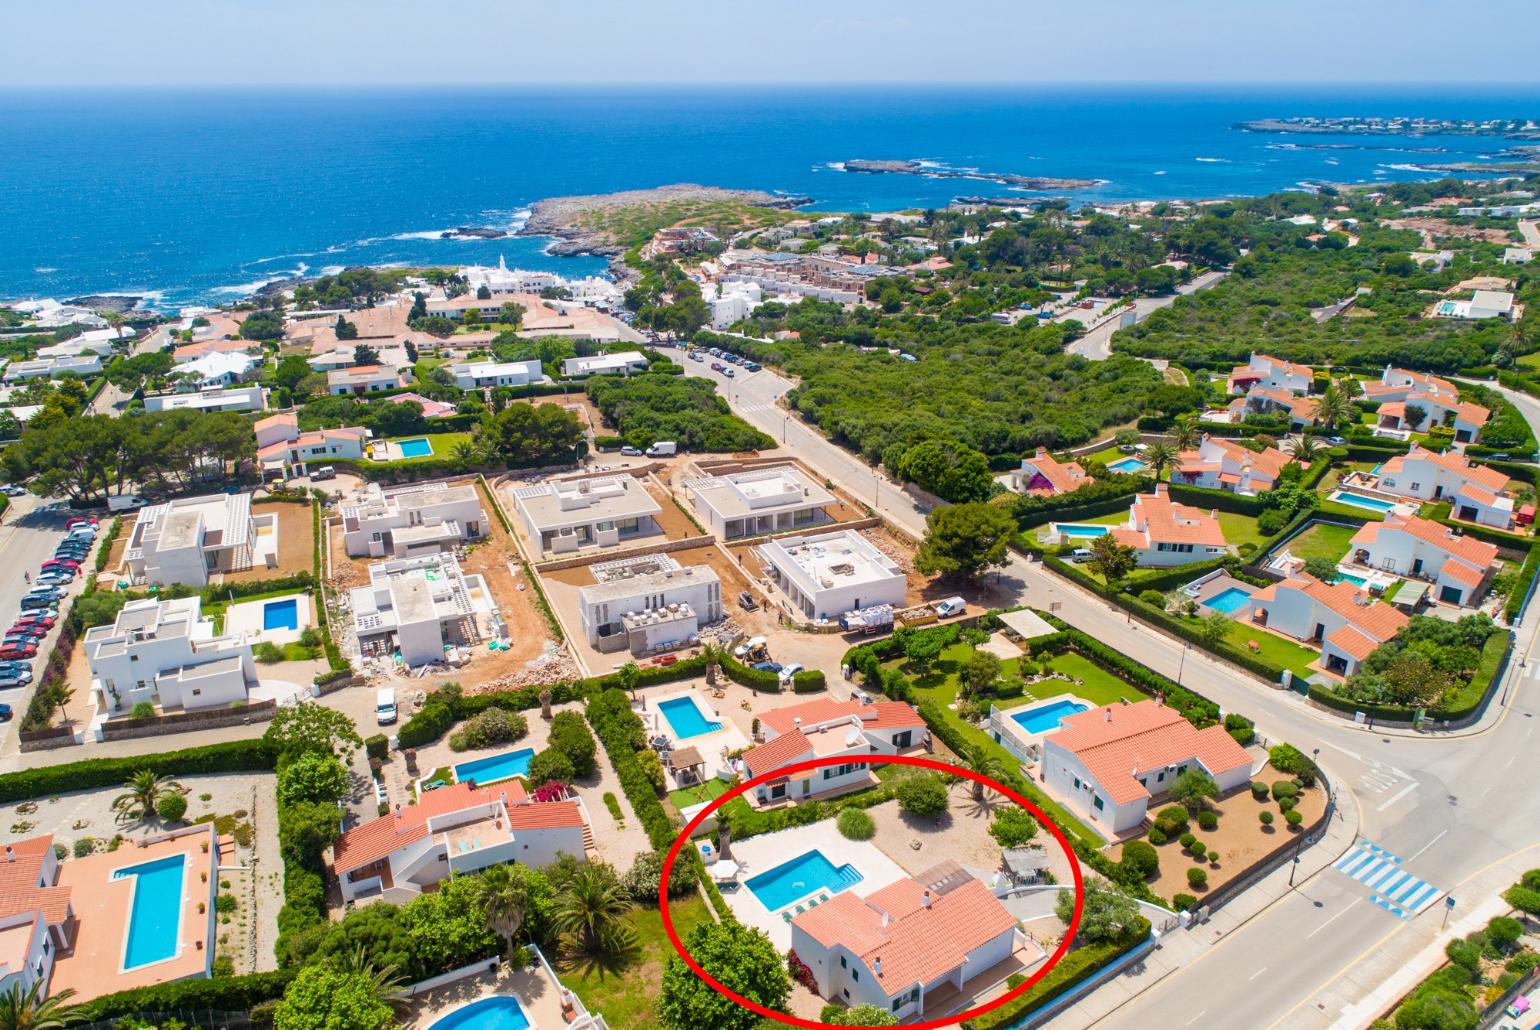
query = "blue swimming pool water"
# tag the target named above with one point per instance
(155, 916)
(1362, 501)
(1349, 577)
(1446, 307)
(1125, 465)
(800, 877)
(500, 1013)
(1228, 600)
(419, 448)
(282, 614)
(1045, 718)
(1076, 529)
(684, 715)
(495, 767)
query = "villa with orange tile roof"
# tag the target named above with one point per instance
(283, 451)
(1345, 623)
(1475, 491)
(430, 408)
(1110, 762)
(823, 727)
(1409, 546)
(1271, 373)
(1438, 398)
(1043, 475)
(1263, 399)
(1165, 533)
(907, 942)
(1220, 464)
(451, 830)
(194, 351)
(362, 379)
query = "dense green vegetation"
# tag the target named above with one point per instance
(656, 406)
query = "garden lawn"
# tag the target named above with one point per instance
(1273, 648)
(1100, 687)
(443, 445)
(1239, 529)
(682, 799)
(626, 991)
(1322, 540)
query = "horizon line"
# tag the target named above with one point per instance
(1463, 84)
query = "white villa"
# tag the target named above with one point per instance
(1409, 546)
(1482, 305)
(1044, 474)
(420, 605)
(185, 540)
(235, 398)
(1220, 464)
(362, 379)
(1163, 532)
(284, 451)
(565, 515)
(1111, 762)
(165, 652)
(1345, 623)
(221, 368)
(624, 362)
(412, 520)
(824, 728)
(828, 575)
(1438, 398)
(1271, 373)
(1475, 491)
(759, 501)
(39, 368)
(478, 374)
(451, 831)
(1263, 399)
(647, 603)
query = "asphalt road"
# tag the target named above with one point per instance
(1448, 806)
(1097, 343)
(29, 533)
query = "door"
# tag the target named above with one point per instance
(1450, 595)
(1417, 567)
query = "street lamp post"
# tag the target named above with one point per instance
(1182, 665)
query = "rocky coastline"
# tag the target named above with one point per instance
(1026, 182)
(578, 224)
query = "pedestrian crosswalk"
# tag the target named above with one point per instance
(1394, 889)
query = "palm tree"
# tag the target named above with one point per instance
(1159, 455)
(591, 909)
(505, 901)
(29, 1010)
(1185, 435)
(1305, 449)
(388, 986)
(980, 761)
(1333, 408)
(141, 793)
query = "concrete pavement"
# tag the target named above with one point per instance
(32, 528)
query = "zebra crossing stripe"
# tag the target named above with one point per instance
(1392, 887)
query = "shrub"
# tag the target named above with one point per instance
(809, 681)
(1140, 860)
(1208, 821)
(570, 736)
(1531, 879)
(1183, 902)
(1213, 856)
(1156, 837)
(84, 846)
(1505, 931)
(1012, 827)
(550, 766)
(1289, 759)
(1266, 817)
(490, 728)
(923, 795)
(143, 710)
(171, 807)
(1171, 820)
(1293, 818)
(1197, 878)
(377, 746)
(1187, 840)
(646, 873)
(855, 824)
(1464, 953)
(1285, 789)
(224, 902)
(1259, 790)
(1287, 805)
(651, 767)
(1153, 597)
(1198, 848)
(1523, 898)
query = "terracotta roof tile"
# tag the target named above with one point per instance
(372, 841)
(1463, 573)
(779, 751)
(20, 872)
(1353, 641)
(1114, 741)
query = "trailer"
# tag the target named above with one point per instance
(868, 620)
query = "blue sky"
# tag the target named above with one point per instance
(391, 42)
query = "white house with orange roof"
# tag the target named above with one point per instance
(1044, 474)
(1474, 491)
(1409, 546)
(1220, 464)
(1263, 399)
(283, 451)
(454, 830)
(1344, 622)
(1271, 373)
(908, 942)
(1438, 398)
(1163, 532)
(362, 379)
(822, 728)
(1110, 762)
(202, 349)
(37, 920)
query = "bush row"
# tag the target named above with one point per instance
(45, 781)
(1513, 608)
(228, 994)
(337, 665)
(1075, 967)
(1462, 705)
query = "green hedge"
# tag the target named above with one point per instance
(1194, 707)
(1513, 608)
(809, 681)
(229, 994)
(1119, 501)
(623, 736)
(760, 680)
(1464, 704)
(45, 781)
(228, 592)
(1077, 966)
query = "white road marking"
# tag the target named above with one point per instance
(1194, 1019)
(1333, 919)
(1258, 973)
(1428, 845)
(1397, 796)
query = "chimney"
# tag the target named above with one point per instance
(797, 721)
(925, 899)
(877, 965)
(884, 922)
(10, 853)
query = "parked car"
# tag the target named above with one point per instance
(70, 549)
(767, 666)
(729, 373)
(49, 593)
(32, 604)
(5, 713)
(15, 668)
(951, 606)
(752, 366)
(54, 577)
(717, 366)
(631, 452)
(38, 619)
(71, 564)
(746, 602)
(324, 472)
(11, 683)
(80, 520)
(32, 630)
(12, 490)
(789, 671)
(18, 651)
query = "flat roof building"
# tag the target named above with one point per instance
(166, 653)
(828, 575)
(419, 606)
(422, 518)
(625, 362)
(184, 540)
(648, 603)
(475, 375)
(566, 515)
(756, 502)
(239, 398)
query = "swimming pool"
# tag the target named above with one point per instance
(1046, 718)
(419, 448)
(799, 877)
(1127, 465)
(501, 1012)
(495, 767)
(1080, 529)
(1350, 577)
(281, 614)
(155, 916)
(1362, 501)
(1228, 600)
(1447, 307)
(686, 719)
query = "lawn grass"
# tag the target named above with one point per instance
(1322, 540)
(687, 796)
(443, 444)
(1239, 529)
(1273, 648)
(1098, 686)
(625, 991)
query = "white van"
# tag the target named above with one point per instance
(385, 706)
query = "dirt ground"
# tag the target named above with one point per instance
(1240, 838)
(296, 547)
(120, 545)
(1438, 227)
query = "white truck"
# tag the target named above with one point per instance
(662, 449)
(125, 502)
(951, 606)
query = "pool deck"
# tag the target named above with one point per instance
(93, 967)
(760, 854)
(539, 995)
(1218, 585)
(1021, 740)
(714, 746)
(246, 617)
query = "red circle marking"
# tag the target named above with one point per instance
(815, 763)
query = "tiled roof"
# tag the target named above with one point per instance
(287, 418)
(1458, 463)
(812, 713)
(1064, 478)
(1379, 621)
(783, 750)
(1353, 642)
(890, 715)
(19, 875)
(374, 840)
(1467, 548)
(1282, 367)
(1168, 522)
(1463, 573)
(1478, 493)
(1114, 741)
(919, 944)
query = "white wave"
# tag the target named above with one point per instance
(1405, 168)
(426, 234)
(280, 257)
(1213, 160)
(923, 163)
(332, 269)
(1162, 172)
(44, 270)
(247, 289)
(838, 166)
(1333, 161)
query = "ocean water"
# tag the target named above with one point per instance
(199, 197)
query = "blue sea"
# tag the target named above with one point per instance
(203, 196)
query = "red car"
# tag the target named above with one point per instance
(80, 520)
(46, 621)
(60, 563)
(13, 651)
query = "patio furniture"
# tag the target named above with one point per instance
(687, 765)
(726, 869)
